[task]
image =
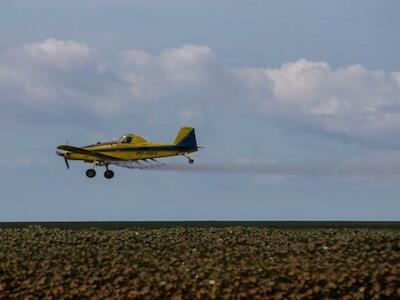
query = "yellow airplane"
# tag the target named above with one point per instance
(129, 151)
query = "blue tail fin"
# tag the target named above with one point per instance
(186, 139)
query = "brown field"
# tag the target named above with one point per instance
(199, 263)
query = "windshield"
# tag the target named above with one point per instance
(126, 140)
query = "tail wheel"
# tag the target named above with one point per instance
(108, 174)
(90, 173)
(191, 161)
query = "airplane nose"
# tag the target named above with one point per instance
(60, 153)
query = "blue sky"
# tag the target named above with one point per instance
(297, 104)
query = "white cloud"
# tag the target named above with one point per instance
(351, 101)
(56, 77)
(189, 65)
(61, 54)
(186, 73)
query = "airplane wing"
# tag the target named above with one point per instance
(98, 155)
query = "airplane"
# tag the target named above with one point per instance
(129, 151)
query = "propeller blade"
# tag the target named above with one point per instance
(66, 162)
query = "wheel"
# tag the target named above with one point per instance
(90, 173)
(191, 161)
(108, 174)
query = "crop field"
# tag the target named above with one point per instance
(199, 262)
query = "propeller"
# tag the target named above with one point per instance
(66, 162)
(59, 153)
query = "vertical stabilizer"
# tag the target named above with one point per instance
(186, 138)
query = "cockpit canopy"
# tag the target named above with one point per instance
(131, 139)
(126, 139)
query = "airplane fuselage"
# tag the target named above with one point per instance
(128, 151)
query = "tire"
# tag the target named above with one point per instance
(191, 161)
(108, 174)
(90, 173)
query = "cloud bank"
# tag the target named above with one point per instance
(57, 79)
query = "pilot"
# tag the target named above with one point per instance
(126, 140)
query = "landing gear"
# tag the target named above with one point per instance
(90, 173)
(190, 160)
(108, 174)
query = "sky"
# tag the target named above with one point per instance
(297, 104)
